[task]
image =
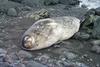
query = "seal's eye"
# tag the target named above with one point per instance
(26, 38)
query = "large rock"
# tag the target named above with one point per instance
(69, 2)
(39, 3)
(18, 65)
(96, 28)
(5, 5)
(33, 3)
(63, 10)
(51, 2)
(97, 10)
(92, 25)
(88, 23)
(43, 13)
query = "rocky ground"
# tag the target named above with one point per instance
(16, 16)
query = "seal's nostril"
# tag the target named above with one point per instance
(28, 45)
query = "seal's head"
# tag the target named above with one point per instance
(28, 42)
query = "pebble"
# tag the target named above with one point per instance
(97, 65)
(60, 51)
(18, 65)
(2, 51)
(50, 2)
(96, 46)
(4, 64)
(70, 55)
(95, 42)
(33, 64)
(96, 49)
(44, 58)
(11, 58)
(27, 8)
(2, 54)
(24, 54)
(12, 12)
(74, 64)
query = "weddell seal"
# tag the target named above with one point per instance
(46, 32)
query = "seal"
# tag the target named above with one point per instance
(46, 32)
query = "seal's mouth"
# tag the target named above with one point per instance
(28, 45)
(29, 48)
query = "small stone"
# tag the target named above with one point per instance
(60, 50)
(24, 54)
(91, 59)
(4, 64)
(74, 64)
(85, 56)
(8, 59)
(12, 12)
(43, 58)
(97, 65)
(11, 58)
(62, 57)
(77, 64)
(2, 54)
(95, 42)
(1, 40)
(2, 51)
(70, 55)
(33, 64)
(83, 6)
(96, 49)
(18, 65)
